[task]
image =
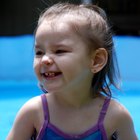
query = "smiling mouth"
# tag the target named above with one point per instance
(51, 75)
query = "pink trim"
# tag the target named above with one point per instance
(101, 118)
(46, 117)
(65, 135)
(103, 132)
(42, 131)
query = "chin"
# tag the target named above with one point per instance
(53, 89)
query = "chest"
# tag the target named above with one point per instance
(74, 121)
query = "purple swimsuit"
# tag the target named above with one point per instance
(50, 132)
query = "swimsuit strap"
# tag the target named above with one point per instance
(103, 110)
(45, 107)
(102, 116)
(46, 117)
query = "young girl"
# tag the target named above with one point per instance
(75, 63)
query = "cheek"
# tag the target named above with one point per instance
(36, 66)
(75, 64)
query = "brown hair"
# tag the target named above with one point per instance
(96, 31)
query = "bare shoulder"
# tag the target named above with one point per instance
(32, 110)
(118, 109)
(121, 120)
(26, 120)
(31, 107)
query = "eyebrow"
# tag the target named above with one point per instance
(55, 46)
(36, 46)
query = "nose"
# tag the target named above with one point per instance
(47, 60)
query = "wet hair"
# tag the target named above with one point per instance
(91, 23)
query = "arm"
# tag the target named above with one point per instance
(125, 129)
(23, 127)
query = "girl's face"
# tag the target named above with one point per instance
(62, 61)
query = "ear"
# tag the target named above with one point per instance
(99, 60)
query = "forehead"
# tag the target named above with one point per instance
(57, 31)
(53, 32)
(66, 24)
(52, 27)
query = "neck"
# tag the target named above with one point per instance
(74, 95)
(73, 99)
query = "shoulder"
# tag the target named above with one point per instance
(117, 106)
(30, 110)
(31, 105)
(26, 120)
(121, 120)
(118, 110)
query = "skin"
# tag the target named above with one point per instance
(61, 52)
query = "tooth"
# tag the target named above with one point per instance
(50, 74)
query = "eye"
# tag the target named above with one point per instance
(60, 51)
(38, 52)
